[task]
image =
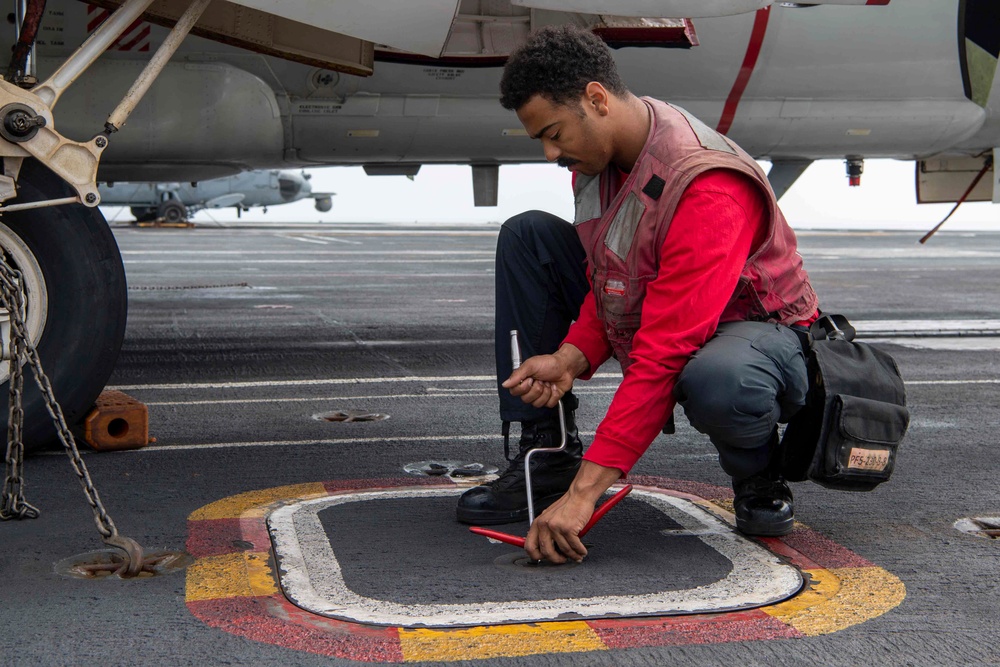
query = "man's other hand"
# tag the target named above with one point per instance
(544, 379)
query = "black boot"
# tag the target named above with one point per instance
(505, 500)
(763, 505)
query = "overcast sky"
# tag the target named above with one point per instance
(820, 199)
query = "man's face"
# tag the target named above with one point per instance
(573, 136)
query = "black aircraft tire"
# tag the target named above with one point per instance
(172, 211)
(87, 301)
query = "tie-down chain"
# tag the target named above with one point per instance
(22, 352)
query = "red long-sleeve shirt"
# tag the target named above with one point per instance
(721, 217)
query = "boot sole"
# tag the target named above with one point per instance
(484, 517)
(765, 529)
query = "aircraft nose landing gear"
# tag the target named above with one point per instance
(172, 211)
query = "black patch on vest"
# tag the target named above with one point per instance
(654, 188)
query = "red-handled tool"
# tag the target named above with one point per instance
(603, 509)
(497, 535)
(597, 516)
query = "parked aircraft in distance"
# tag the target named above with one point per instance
(300, 83)
(176, 202)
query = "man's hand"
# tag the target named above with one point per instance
(544, 379)
(555, 534)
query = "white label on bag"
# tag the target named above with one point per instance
(868, 459)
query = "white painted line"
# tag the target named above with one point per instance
(342, 441)
(332, 239)
(185, 386)
(312, 578)
(880, 253)
(303, 383)
(933, 382)
(577, 389)
(320, 253)
(329, 399)
(242, 262)
(303, 239)
(457, 393)
(877, 326)
(486, 437)
(956, 344)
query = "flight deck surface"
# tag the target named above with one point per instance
(243, 341)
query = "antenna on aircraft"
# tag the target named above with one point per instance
(855, 167)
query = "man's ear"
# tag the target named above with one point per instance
(596, 96)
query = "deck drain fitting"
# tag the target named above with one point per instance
(980, 526)
(518, 561)
(102, 564)
(350, 416)
(449, 469)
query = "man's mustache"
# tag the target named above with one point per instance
(566, 162)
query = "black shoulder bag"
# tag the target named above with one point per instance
(848, 434)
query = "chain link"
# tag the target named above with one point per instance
(22, 351)
(13, 505)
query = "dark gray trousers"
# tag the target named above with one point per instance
(747, 379)
(541, 281)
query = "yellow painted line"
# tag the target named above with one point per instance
(836, 598)
(241, 574)
(254, 503)
(500, 641)
(840, 598)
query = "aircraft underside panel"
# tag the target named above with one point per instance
(420, 26)
(386, 128)
(953, 179)
(174, 138)
(199, 120)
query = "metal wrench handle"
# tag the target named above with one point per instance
(515, 350)
(515, 355)
(543, 450)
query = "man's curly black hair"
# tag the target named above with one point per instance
(558, 62)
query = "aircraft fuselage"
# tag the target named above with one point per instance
(817, 82)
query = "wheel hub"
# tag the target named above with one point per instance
(20, 257)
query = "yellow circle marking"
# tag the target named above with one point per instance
(834, 598)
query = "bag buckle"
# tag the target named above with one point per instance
(832, 327)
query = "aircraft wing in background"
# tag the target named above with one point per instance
(176, 202)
